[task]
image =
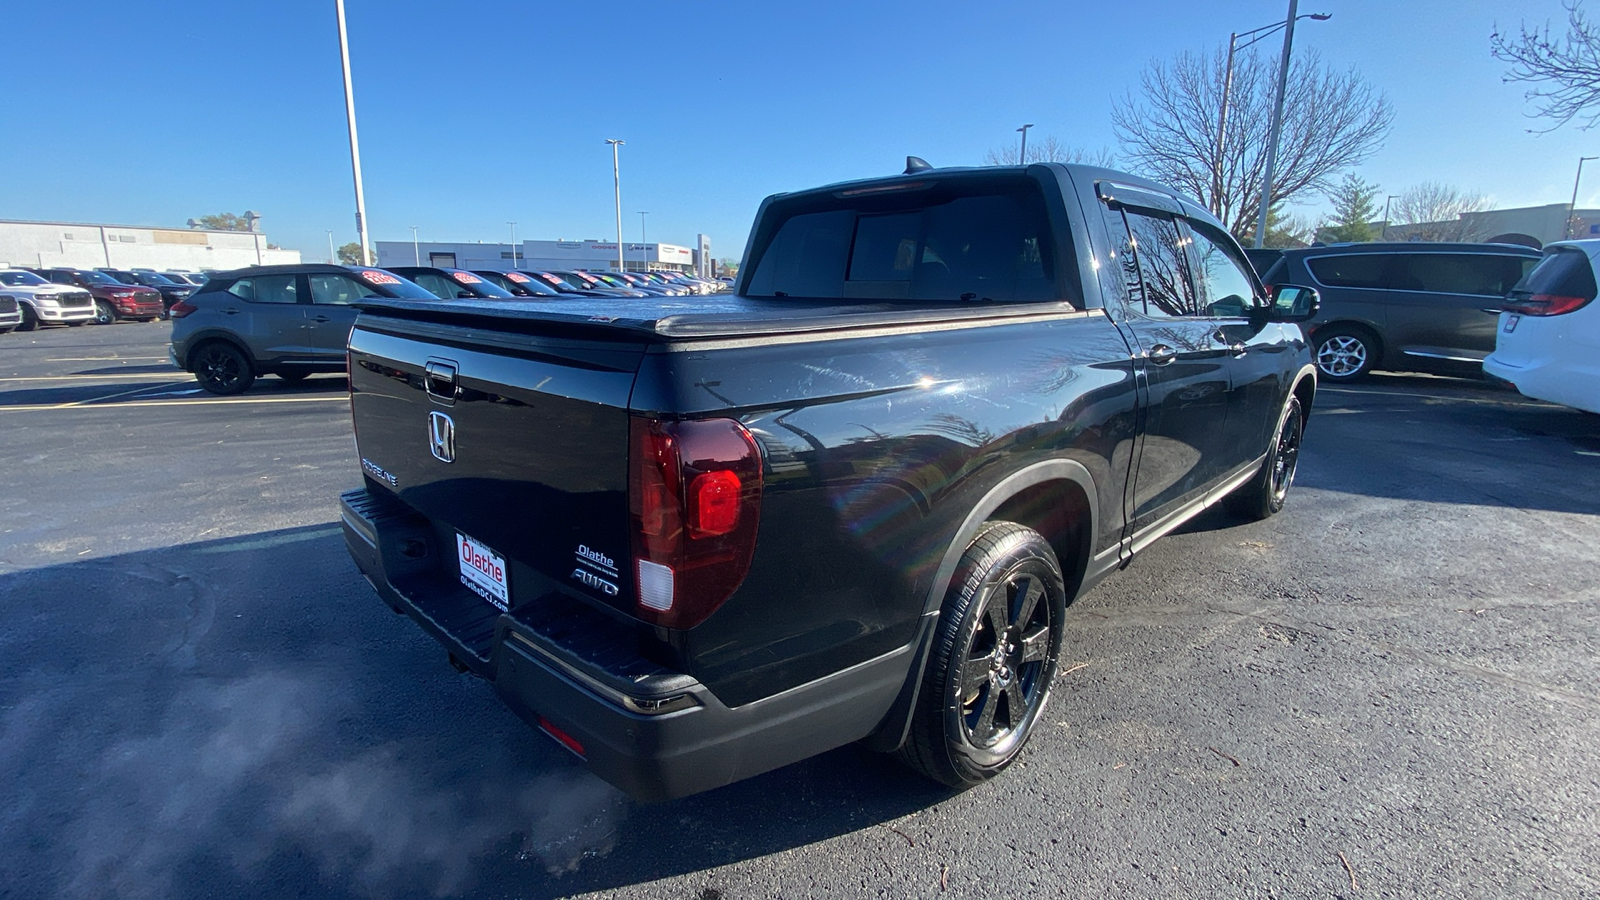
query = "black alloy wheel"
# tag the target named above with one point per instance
(103, 313)
(30, 319)
(993, 659)
(1264, 495)
(222, 369)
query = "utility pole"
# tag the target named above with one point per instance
(1022, 155)
(616, 179)
(1384, 235)
(644, 244)
(332, 256)
(1572, 208)
(513, 244)
(416, 249)
(1277, 125)
(355, 145)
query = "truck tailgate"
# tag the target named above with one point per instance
(519, 444)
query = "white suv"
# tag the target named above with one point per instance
(1548, 341)
(44, 303)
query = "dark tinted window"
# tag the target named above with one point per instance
(266, 289)
(336, 289)
(1162, 266)
(441, 287)
(1357, 270)
(952, 242)
(1223, 285)
(1564, 272)
(1459, 273)
(1122, 254)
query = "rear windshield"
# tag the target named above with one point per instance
(974, 240)
(1564, 272)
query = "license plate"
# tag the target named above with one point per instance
(483, 571)
(1511, 323)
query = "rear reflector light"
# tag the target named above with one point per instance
(182, 308)
(1545, 304)
(564, 739)
(695, 495)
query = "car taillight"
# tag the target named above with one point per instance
(182, 308)
(694, 493)
(1545, 304)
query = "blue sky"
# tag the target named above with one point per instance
(473, 114)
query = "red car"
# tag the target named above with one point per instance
(113, 300)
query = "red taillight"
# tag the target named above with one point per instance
(566, 740)
(695, 497)
(182, 308)
(1545, 304)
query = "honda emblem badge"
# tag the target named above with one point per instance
(442, 437)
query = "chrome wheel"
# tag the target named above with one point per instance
(103, 313)
(1342, 356)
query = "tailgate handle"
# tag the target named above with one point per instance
(441, 381)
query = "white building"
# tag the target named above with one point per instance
(82, 245)
(563, 255)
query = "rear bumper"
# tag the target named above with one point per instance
(1565, 382)
(655, 733)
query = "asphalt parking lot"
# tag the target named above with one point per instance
(1389, 690)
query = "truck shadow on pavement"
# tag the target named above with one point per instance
(245, 718)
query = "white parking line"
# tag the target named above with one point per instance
(140, 404)
(141, 390)
(100, 358)
(167, 376)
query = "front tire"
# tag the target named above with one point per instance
(30, 319)
(994, 656)
(1264, 495)
(103, 313)
(222, 368)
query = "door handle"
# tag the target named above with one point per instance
(1237, 348)
(230, 311)
(1160, 355)
(319, 318)
(1493, 312)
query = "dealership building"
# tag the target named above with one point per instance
(82, 245)
(561, 255)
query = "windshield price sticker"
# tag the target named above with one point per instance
(483, 571)
(465, 278)
(375, 277)
(518, 277)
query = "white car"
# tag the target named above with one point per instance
(1548, 342)
(44, 303)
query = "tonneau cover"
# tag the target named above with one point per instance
(703, 317)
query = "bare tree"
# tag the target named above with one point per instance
(1332, 120)
(1049, 149)
(1567, 68)
(1433, 211)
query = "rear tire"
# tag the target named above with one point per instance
(993, 658)
(222, 368)
(103, 313)
(1264, 495)
(1344, 353)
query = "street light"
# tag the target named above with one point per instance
(1022, 155)
(416, 249)
(1572, 208)
(1227, 94)
(513, 244)
(616, 178)
(355, 145)
(1385, 233)
(643, 243)
(1277, 123)
(332, 257)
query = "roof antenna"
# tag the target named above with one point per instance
(915, 164)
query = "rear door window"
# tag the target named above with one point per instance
(1355, 270)
(1482, 274)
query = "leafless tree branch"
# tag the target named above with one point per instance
(1566, 69)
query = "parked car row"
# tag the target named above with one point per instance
(68, 296)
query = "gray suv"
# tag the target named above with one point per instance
(1419, 307)
(289, 321)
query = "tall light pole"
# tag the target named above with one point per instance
(1220, 175)
(643, 243)
(1384, 235)
(355, 145)
(1572, 208)
(616, 178)
(1022, 155)
(513, 244)
(332, 257)
(1277, 122)
(416, 249)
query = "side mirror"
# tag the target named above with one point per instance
(463, 295)
(1293, 303)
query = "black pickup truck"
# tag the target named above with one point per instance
(695, 539)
